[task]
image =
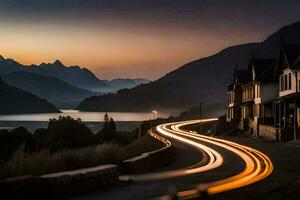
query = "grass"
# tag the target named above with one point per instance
(43, 162)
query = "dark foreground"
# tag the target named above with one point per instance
(282, 184)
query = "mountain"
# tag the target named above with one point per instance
(73, 75)
(8, 65)
(202, 80)
(16, 101)
(125, 83)
(57, 92)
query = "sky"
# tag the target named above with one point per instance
(134, 38)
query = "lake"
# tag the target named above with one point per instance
(126, 121)
(84, 116)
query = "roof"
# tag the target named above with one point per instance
(292, 54)
(230, 87)
(264, 69)
(242, 76)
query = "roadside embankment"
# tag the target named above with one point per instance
(149, 160)
(148, 152)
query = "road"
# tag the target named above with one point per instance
(227, 166)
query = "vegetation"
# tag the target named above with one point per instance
(43, 162)
(67, 144)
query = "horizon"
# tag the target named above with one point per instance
(110, 36)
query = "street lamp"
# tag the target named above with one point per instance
(154, 112)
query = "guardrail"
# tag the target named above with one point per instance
(149, 160)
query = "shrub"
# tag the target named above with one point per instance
(66, 133)
(10, 141)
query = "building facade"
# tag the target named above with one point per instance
(287, 105)
(234, 93)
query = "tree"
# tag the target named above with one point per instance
(106, 123)
(109, 129)
(67, 133)
(112, 125)
(10, 142)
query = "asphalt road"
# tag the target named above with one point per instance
(232, 165)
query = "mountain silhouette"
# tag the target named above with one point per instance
(202, 80)
(73, 75)
(16, 101)
(125, 83)
(57, 92)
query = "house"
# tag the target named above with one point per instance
(287, 105)
(234, 93)
(258, 92)
(264, 91)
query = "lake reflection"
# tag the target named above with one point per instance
(84, 116)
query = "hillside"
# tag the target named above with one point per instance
(57, 92)
(125, 83)
(203, 80)
(16, 101)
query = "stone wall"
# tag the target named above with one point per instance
(55, 185)
(269, 133)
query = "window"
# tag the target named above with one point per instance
(282, 82)
(257, 91)
(290, 81)
(285, 82)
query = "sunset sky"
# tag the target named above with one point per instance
(134, 38)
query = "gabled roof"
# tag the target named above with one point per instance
(230, 87)
(291, 53)
(264, 69)
(242, 76)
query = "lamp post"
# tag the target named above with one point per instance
(154, 113)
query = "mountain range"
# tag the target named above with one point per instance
(200, 81)
(60, 93)
(63, 86)
(16, 101)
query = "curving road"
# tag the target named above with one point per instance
(257, 165)
(225, 166)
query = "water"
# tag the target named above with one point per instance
(84, 116)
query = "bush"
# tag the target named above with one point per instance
(66, 133)
(10, 141)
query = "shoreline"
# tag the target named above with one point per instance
(95, 126)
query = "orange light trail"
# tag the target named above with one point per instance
(257, 165)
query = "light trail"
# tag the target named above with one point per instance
(254, 169)
(215, 160)
(257, 165)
